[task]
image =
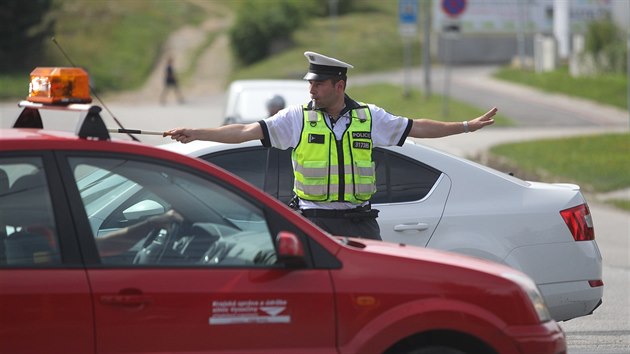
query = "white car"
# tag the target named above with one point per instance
(247, 99)
(430, 198)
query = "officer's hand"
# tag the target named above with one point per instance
(482, 121)
(182, 135)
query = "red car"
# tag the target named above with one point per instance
(119, 247)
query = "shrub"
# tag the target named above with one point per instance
(604, 41)
(261, 26)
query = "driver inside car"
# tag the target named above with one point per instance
(122, 240)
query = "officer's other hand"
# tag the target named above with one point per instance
(483, 120)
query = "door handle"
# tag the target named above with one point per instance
(417, 226)
(127, 298)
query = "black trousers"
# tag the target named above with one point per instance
(363, 227)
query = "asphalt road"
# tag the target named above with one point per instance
(537, 114)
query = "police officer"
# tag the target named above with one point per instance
(332, 137)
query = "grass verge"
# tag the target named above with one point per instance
(607, 89)
(598, 163)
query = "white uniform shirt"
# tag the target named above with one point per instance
(285, 127)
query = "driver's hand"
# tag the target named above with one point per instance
(166, 219)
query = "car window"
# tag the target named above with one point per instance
(28, 233)
(249, 164)
(285, 176)
(260, 167)
(398, 178)
(129, 204)
(401, 179)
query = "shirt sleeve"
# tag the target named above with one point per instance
(284, 129)
(388, 129)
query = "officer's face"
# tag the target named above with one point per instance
(325, 93)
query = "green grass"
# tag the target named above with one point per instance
(599, 163)
(620, 203)
(606, 89)
(596, 163)
(392, 98)
(14, 86)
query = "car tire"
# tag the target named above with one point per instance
(436, 349)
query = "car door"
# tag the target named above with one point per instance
(207, 283)
(411, 197)
(45, 304)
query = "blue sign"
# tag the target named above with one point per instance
(408, 11)
(453, 8)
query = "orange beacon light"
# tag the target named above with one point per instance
(59, 85)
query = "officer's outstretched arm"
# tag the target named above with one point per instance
(427, 128)
(232, 133)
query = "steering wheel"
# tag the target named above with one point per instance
(156, 244)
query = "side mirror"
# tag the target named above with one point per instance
(290, 250)
(143, 209)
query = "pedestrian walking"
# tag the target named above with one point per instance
(170, 83)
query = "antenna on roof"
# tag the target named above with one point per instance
(92, 90)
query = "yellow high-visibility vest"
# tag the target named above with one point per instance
(319, 160)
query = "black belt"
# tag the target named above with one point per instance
(360, 212)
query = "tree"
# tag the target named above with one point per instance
(23, 28)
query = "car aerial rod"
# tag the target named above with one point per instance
(137, 131)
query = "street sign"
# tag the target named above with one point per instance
(453, 8)
(408, 12)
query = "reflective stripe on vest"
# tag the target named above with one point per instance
(317, 166)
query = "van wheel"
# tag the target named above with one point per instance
(439, 349)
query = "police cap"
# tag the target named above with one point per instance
(322, 67)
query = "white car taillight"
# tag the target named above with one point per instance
(580, 223)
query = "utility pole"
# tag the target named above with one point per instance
(520, 37)
(408, 24)
(333, 9)
(426, 47)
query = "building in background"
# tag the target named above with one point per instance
(491, 31)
